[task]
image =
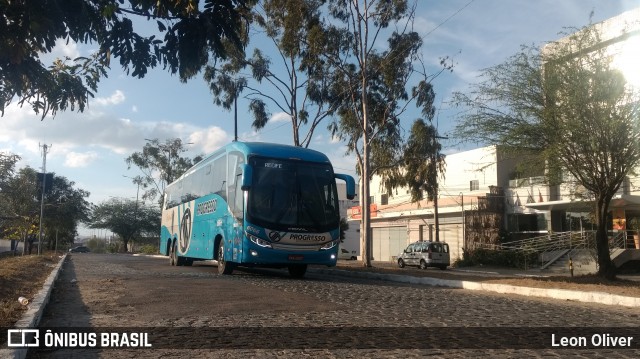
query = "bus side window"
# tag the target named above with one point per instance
(219, 178)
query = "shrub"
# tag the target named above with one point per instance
(497, 258)
(149, 249)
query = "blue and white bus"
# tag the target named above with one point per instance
(255, 204)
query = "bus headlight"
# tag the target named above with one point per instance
(259, 241)
(329, 245)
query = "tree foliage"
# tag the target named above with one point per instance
(294, 83)
(20, 205)
(570, 108)
(7, 166)
(424, 162)
(160, 164)
(369, 88)
(194, 33)
(126, 218)
(65, 207)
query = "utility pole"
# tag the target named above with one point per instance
(45, 148)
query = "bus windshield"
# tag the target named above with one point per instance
(293, 195)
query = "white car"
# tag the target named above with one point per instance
(345, 254)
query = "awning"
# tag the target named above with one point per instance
(623, 201)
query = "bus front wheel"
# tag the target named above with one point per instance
(297, 270)
(224, 267)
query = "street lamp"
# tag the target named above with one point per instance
(464, 224)
(60, 200)
(238, 86)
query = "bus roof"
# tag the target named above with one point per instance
(277, 150)
(273, 150)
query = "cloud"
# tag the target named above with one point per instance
(97, 129)
(280, 117)
(342, 163)
(116, 98)
(209, 139)
(75, 159)
(67, 49)
(61, 50)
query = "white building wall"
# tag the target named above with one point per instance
(409, 223)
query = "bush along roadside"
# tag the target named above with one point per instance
(498, 258)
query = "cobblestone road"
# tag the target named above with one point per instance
(382, 319)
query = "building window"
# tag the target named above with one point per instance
(474, 185)
(384, 199)
(372, 199)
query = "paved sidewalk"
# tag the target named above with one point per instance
(475, 278)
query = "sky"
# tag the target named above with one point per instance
(90, 148)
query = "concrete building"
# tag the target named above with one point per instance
(479, 202)
(481, 199)
(470, 178)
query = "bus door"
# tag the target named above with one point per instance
(235, 196)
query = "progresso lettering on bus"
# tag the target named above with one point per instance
(308, 237)
(207, 207)
(255, 204)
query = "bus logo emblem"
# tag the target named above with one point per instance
(185, 229)
(275, 236)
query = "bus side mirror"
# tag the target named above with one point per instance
(351, 185)
(247, 176)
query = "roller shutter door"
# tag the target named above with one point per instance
(388, 242)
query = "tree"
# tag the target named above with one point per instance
(126, 218)
(568, 107)
(344, 227)
(424, 164)
(161, 164)
(300, 89)
(193, 36)
(20, 206)
(7, 166)
(369, 87)
(65, 208)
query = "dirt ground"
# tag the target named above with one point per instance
(21, 276)
(24, 276)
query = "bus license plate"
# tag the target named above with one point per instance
(296, 257)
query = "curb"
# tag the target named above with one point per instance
(31, 318)
(562, 294)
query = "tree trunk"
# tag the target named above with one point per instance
(366, 203)
(606, 268)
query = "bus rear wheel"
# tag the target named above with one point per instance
(297, 270)
(172, 255)
(224, 267)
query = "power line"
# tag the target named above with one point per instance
(447, 19)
